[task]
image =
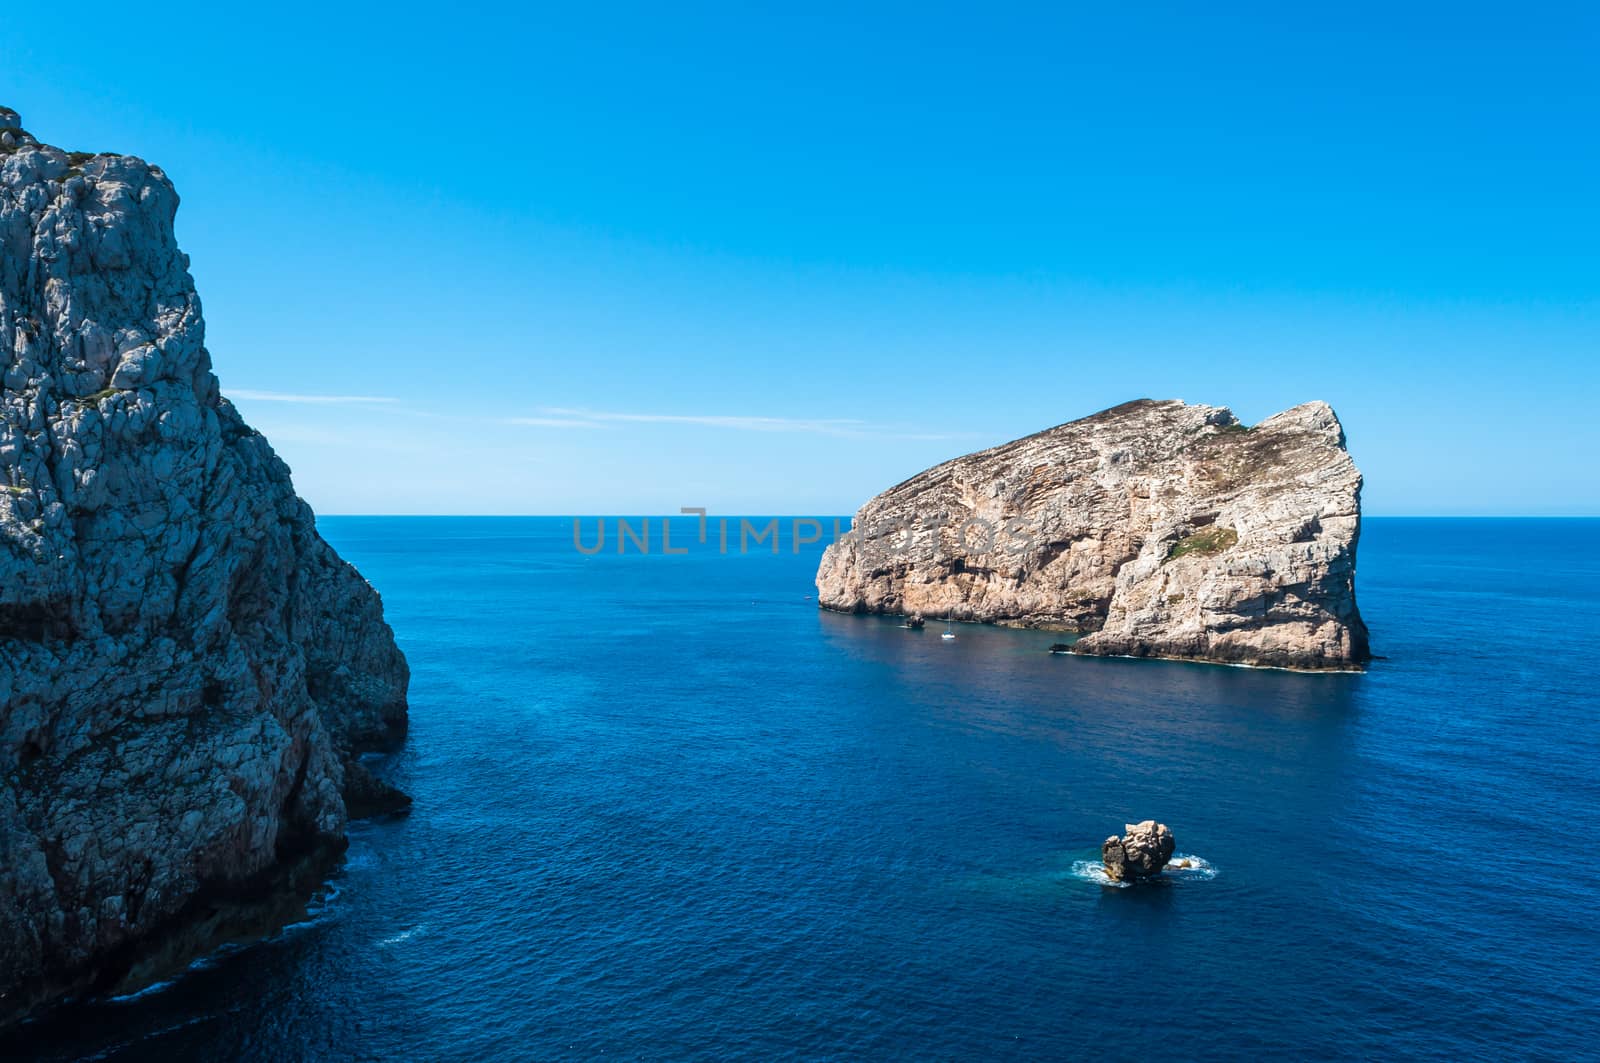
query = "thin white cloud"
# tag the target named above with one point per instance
(830, 426)
(551, 422)
(572, 417)
(308, 400)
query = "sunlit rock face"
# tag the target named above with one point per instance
(1155, 529)
(186, 668)
(1140, 852)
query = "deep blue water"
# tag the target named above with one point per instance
(665, 808)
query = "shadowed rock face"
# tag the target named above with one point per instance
(186, 668)
(1140, 853)
(1156, 529)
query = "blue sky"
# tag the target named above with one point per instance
(519, 259)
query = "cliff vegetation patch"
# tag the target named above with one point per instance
(1207, 543)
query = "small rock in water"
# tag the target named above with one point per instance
(1140, 853)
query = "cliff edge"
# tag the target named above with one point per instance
(1154, 529)
(187, 671)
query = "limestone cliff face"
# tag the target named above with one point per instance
(1158, 528)
(186, 668)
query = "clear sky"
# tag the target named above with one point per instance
(566, 258)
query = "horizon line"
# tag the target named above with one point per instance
(817, 513)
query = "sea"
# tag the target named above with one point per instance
(668, 809)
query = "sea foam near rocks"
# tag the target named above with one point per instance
(1182, 868)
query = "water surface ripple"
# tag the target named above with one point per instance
(665, 808)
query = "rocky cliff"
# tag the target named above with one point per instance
(1156, 529)
(186, 669)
